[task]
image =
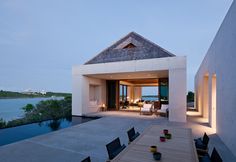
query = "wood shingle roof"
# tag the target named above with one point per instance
(131, 47)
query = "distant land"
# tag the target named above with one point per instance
(10, 94)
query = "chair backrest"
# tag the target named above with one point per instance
(156, 105)
(131, 133)
(87, 159)
(147, 105)
(164, 106)
(126, 103)
(112, 147)
(215, 157)
(205, 139)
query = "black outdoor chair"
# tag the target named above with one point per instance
(114, 148)
(126, 104)
(87, 159)
(132, 135)
(202, 144)
(215, 157)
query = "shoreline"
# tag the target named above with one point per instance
(30, 97)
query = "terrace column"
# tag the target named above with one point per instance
(210, 99)
(206, 96)
(198, 96)
(177, 95)
(80, 94)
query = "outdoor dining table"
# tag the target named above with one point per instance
(180, 148)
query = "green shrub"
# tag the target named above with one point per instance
(2, 123)
(190, 97)
(28, 108)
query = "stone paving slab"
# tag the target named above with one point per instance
(30, 152)
(89, 139)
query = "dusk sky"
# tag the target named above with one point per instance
(40, 41)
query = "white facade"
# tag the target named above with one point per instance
(215, 82)
(91, 78)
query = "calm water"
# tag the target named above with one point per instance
(11, 108)
(150, 98)
(10, 135)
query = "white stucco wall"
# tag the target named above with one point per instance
(81, 104)
(177, 103)
(82, 77)
(221, 61)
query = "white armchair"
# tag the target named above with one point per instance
(147, 109)
(163, 110)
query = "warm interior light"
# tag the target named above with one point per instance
(103, 105)
(136, 100)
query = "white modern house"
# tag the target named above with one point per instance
(122, 69)
(215, 82)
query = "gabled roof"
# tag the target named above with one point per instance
(131, 47)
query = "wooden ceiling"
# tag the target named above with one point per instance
(151, 82)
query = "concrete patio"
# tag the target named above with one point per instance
(89, 139)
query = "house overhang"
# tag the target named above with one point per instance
(148, 68)
(86, 75)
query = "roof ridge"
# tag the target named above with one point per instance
(113, 44)
(151, 42)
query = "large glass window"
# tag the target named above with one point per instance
(150, 93)
(123, 96)
(164, 90)
(123, 92)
